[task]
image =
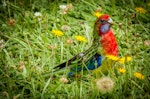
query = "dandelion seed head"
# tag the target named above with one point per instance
(11, 22)
(21, 67)
(64, 80)
(70, 41)
(65, 27)
(105, 84)
(147, 42)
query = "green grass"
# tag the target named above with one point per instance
(30, 44)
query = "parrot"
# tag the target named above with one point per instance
(91, 58)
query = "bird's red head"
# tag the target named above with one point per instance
(107, 40)
(105, 19)
(103, 24)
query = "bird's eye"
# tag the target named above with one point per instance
(102, 21)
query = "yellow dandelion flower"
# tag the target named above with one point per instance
(105, 84)
(139, 75)
(112, 57)
(140, 10)
(148, 4)
(57, 33)
(97, 14)
(80, 38)
(124, 59)
(122, 70)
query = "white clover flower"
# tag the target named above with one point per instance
(37, 14)
(62, 7)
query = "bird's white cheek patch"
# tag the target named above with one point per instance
(105, 28)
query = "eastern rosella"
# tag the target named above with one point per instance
(91, 58)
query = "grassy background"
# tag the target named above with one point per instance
(29, 50)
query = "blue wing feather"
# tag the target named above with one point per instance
(93, 63)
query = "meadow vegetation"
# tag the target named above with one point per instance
(37, 35)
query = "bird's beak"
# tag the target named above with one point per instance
(110, 21)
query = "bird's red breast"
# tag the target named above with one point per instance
(109, 44)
